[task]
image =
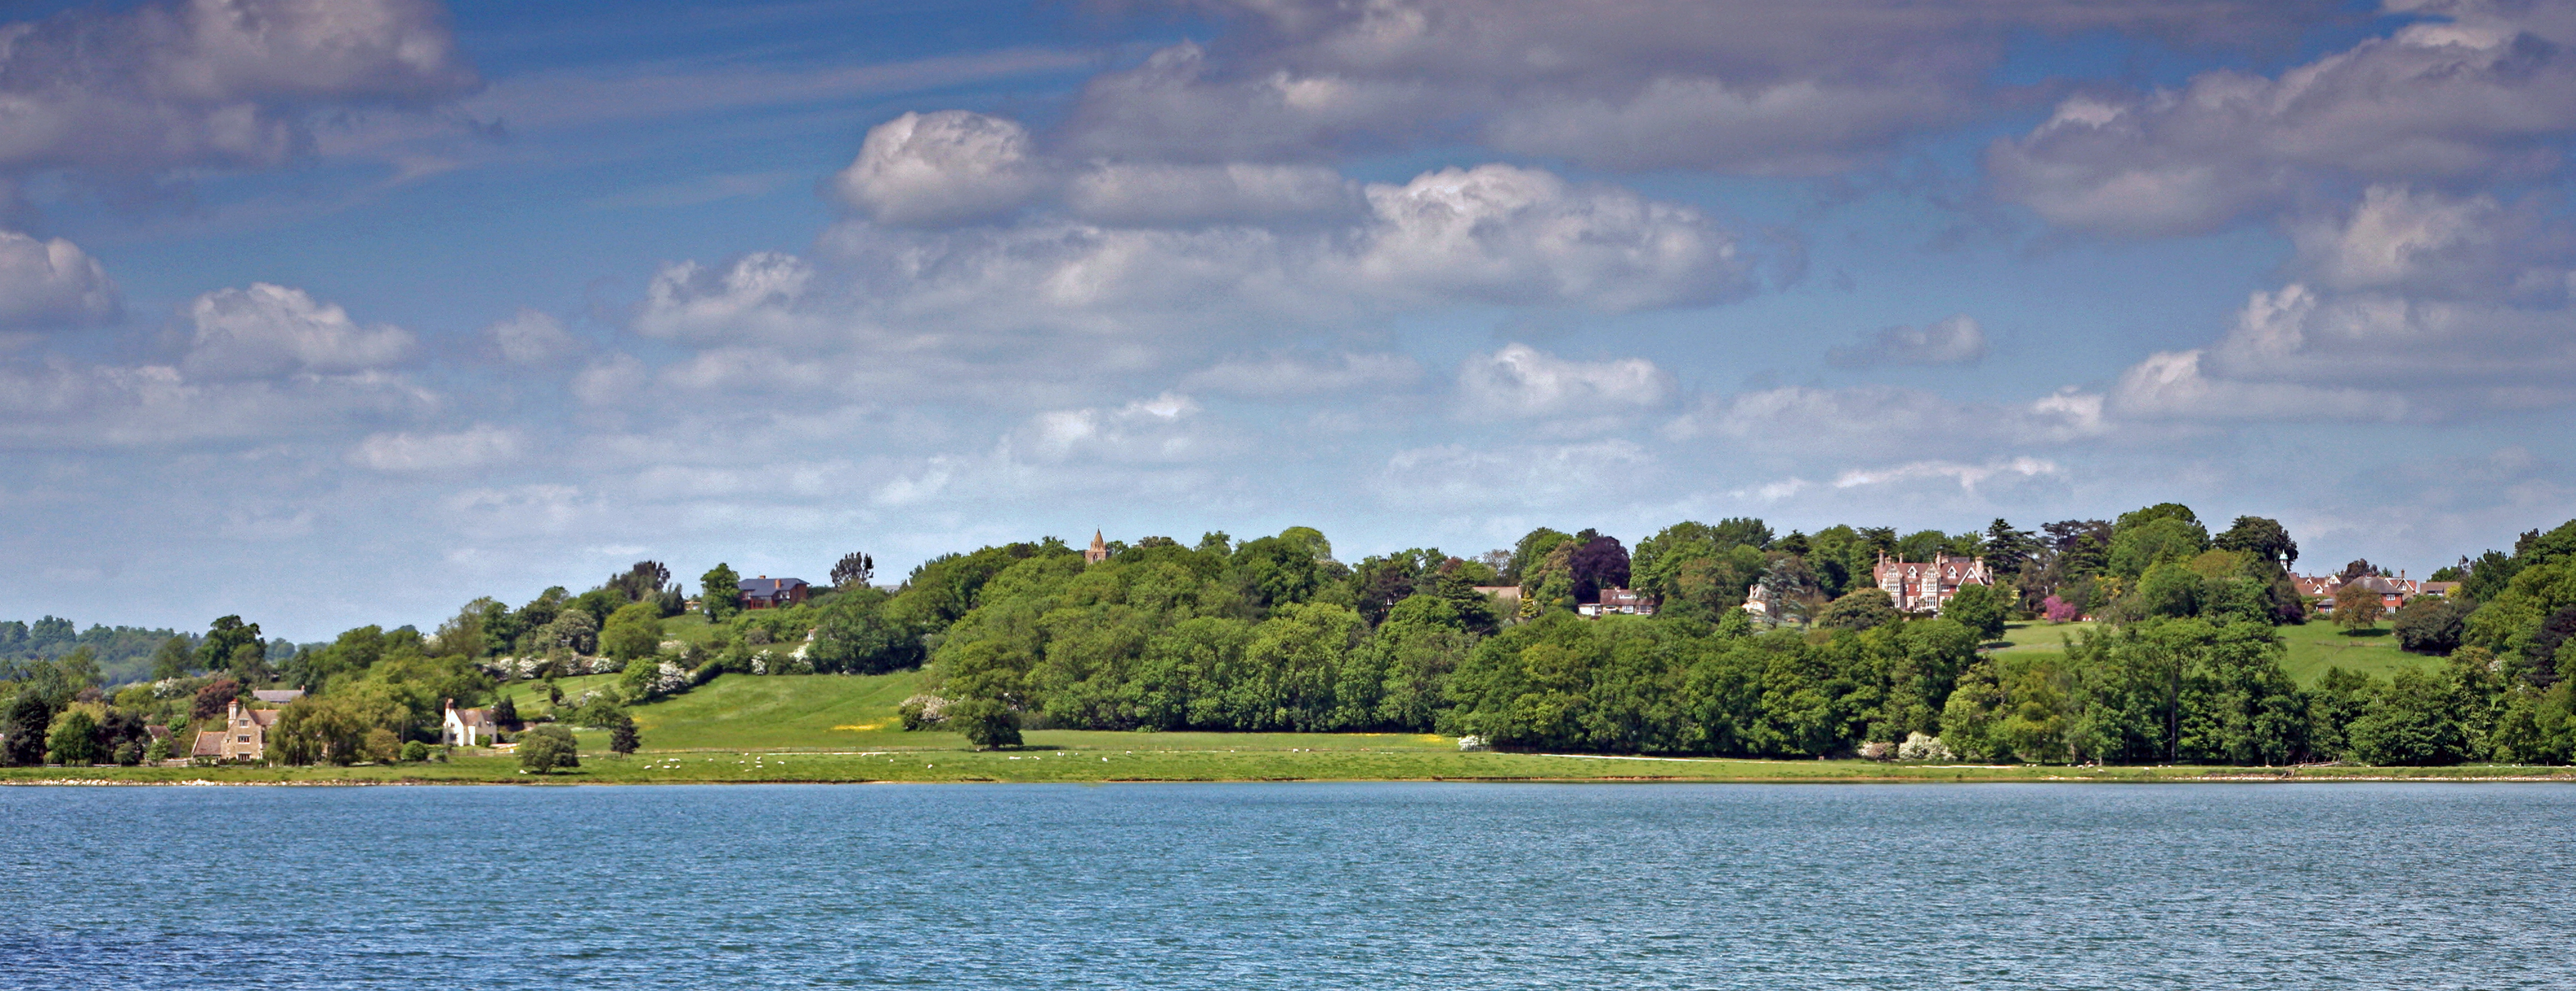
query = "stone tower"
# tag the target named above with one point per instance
(1099, 550)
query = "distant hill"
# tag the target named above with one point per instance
(124, 652)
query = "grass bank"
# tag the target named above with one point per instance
(2312, 648)
(1331, 760)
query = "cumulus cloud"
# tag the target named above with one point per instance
(1522, 382)
(942, 168)
(2487, 93)
(751, 297)
(2412, 304)
(1956, 340)
(268, 330)
(1513, 235)
(480, 445)
(51, 283)
(1160, 429)
(532, 337)
(2172, 385)
(211, 82)
(1764, 88)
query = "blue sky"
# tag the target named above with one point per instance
(327, 314)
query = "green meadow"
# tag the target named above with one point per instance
(2313, 648)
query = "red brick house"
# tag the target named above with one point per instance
(1925, 587)
(765, 592)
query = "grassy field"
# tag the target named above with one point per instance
(2313, 648)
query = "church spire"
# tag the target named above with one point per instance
(1099, 550)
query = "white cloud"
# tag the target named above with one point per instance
(267, 330)
(475, 447)
(51, 282)
(942, 168)
(1968, 477)
(749, 298)
(533, 337)
(1764, 88)
(1502, 234)
(1522, 382)
(2172, 385)
(1956, 340)
(1162, 429)
(211, 82)
(2486, 95)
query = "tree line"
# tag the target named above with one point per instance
(1276, 634)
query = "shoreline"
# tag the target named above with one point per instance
(1233, 766)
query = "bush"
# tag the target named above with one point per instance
(1918, 746)
(547, 748)
(922, 712)
(156, 753)
(1859, 610)
(415, 752)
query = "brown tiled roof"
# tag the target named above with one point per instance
(209, 744)
(264, 717)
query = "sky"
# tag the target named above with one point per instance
(347, 312)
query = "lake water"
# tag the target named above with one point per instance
(1290, 886)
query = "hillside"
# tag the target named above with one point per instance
(2313, 648)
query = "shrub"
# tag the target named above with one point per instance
(156, 753)
(415, 752)
(547, 748)
(2059, 610)
(1918, 746)
(922, 712)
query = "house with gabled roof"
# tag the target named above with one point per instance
(244, 735)
(1926, 586)
(468, 727)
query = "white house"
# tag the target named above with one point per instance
(468, 727)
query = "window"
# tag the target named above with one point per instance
(244, 738)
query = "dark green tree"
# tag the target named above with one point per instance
(225, 640)
(1980, 608)
(2266, 539)
(987, 724)
(622, 739)
(853, 569)
(28, 717)
(720, 593)
(2429, 624)
(74, 740)
(1863, 609)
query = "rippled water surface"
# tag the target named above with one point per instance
(1290, 886)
